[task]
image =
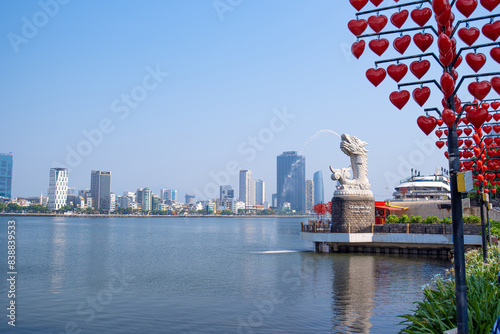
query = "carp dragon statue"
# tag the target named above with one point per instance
(359, 184)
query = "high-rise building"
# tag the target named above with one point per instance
(58, 188)
(246, 187)
(319, 194)
(291, 180)
(226, 192)
(309, 195)
(100, 189)
(112, 202)
(189, 199)
(144, 199)
(274, 200)
(6, 162)
(260, 192)
(155, 202)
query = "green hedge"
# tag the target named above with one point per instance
(437, 312)
(403, 219)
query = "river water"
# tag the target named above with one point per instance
(199, 275)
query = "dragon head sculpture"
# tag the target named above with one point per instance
(351, 145)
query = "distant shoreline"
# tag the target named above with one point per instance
(53, 215)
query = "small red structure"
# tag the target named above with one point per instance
(382, 210)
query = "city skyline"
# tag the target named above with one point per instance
(267, 78)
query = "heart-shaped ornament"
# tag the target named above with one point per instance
(357, 27)
(375, 76)
(402, 43)
(421, 95)
(397, 72)
(358, 4)
(419, 68)
(377, 23)
(495, 54)
(479, 89)
(475, 60)
(466, 7)
(426, 124)
(399, 99)
(491, 30)
(379, 46)
(421, 16)
(477, 116)
(399, 18)
(448, 117)
(358, 48)
(423, 41)
(490, 4)
(438, 133)
(495, 106)
(469, 35)
(447, 84)
(495, 83)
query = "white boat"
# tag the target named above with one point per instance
(418, 188)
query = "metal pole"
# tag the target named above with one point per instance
(489, 223)
(458, 227)
(483, 223)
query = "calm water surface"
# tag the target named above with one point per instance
(200, 275)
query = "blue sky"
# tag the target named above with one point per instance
(175, 94)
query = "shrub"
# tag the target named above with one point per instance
(437, 312)
(495, 227)
(392, 219)
(472, 220)
(431, 220)
(404, 219)
(415, 219)
(446, 220)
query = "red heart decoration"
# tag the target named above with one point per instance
(468, 131)
(376, 2)
(357, 27)
(402, 43)
(438, 133)
(448, 117)
(458, 62)
(487, 129)
(466, 7)
(397, 72)
(468, 142)
(375, 76)
(421, 16)
(495, 106)
(377, 23)
(469, 36)
(446, 59)
(446, 154)
(495, 53)
(490, 4)
(440, 143)
(494, 190)
(440, 122)
(444, 18)
(358, 4)
(444, 44)
(465, 121)
(496, 128)
(475, 61)
(439, 6)
(488, 141)
(357, 48)
(426, 124)
(476, 138)
(420, 95)
(399, 99)
(446, 132)
(495, 83)
(460, 143)
(491, 30)
(459, 131)
(419, 68)
(379, 45)
(477, 116)
(479, 89)
(447, 84)
(423, 41)
(489, 117)
(399, 18)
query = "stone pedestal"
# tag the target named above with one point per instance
(354, 214)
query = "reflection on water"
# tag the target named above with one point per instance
(203, 276)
